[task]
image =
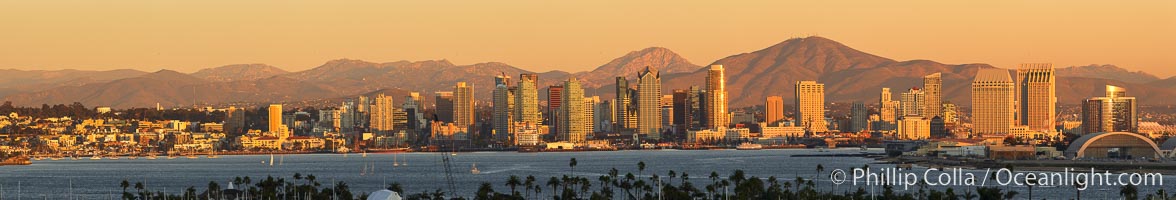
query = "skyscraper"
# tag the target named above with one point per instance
(649, 95)
(933, 96)
(527, 99)
(774, 110)
(887, 111)
(681, 110)
(992, 102)
(502, 111)
(554, 101)
(1113, 112)
(858, 117)
(234, 121)
(382, 112)
(716, 98)
(913, 102)
(275, 118)
(624, 105)
(1036, 95)
(463, 105)
(571, 112)
(810, 106)
(444, 107)
(590, 113)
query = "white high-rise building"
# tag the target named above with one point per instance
(992, 102)
(503, 101)
(649, 96)
(810, 106)
(1037, 98)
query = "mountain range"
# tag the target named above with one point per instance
(848, 75)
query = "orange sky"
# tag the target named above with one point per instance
(542, 35)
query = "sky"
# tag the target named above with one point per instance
(544, 35)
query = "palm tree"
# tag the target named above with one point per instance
(124, 185)
(672, 174)
(640, 167)
(572, 164)
(513, 182)
(553, 182)
(528, 183)
(139, 187)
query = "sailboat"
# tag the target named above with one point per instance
(475, 169)
(364, 171)
(271, 162)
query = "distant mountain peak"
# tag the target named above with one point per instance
(1106, 71)
(238, 72)
(629, 65)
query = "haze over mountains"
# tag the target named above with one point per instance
(848, 75)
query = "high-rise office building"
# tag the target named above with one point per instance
(649, 95)
(1115, 112)
(590, 104)
(625, 112)
(444, 107)
(275, 122)
(275, 117)
(774, 110)
(463, 105)
(235, 121)
(571, 112)
(554, 101)
(503, 100)
(810, 106)
(913, 102)
(382, 112)
(527, 99)
(887, 111)
(716, 98)
(1036, 96)
(933, 96)
(992, 102)
(681, 109)
(603, 116)
(858, 118)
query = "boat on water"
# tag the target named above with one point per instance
(96, 157)
(474, 169)
(112, 157)
(192, 156)
(151, 157)
(749, 146)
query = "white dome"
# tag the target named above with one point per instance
(384, 195)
